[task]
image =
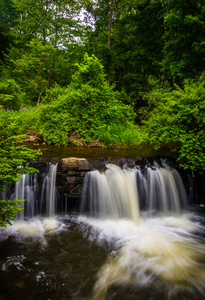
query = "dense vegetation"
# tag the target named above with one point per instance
(120, 72)
(13, 163)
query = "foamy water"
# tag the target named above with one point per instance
(35, 228)
(164, 249)
(160, 253)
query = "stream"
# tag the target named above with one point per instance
(134, 237)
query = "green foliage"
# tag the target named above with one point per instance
(136, 42)
(178, 117)
(8, 15)
(120, 135)
(86, 107)
(65, 64)
(8, 210)
(21, 121)
(184, 42)
(35, 67)
(90, 72)
(13, 163)
(11, 95)
(13, 157)
(142, 44)
(53, 93)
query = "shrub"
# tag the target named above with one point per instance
(11, 95)
(85, 108)
(179, 116)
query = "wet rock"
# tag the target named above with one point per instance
(74, 164)
(41, 166)
(70, 176)
(140, 162)
(125, 161)
(100, 163)
(61, 179)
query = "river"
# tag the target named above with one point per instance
(135, 237)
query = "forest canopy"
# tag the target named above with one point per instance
(120, 72)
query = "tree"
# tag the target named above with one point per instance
(45, 42)
(13, 163)
(128, 39)
(11, 96)
(177, 118)
(53, 21)
(184, 46)
(85, 108)
(36, 67)
(138, 44)
(98, 41)
(110, 19)
(8, 15)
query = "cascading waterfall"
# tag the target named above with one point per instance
(27, 189)
(166, 192)
(49, 191)
(111, 194)
(120, 193)
(155, 249)
(115, 193)
(137, 239)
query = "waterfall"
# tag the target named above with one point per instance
(114, 193)
(27, 189)
(166, 191)
(121, 193)
(142, 243)
(49, 190)
(111, 194)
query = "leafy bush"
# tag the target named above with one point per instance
(21, 121)
(84, 107)
(88, 108)
(179, 116)
(120, 135)
(13, 163)
(11, 95)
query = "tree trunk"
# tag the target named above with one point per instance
(44, 35)
(21, 16)
(111, 10)
(39, 97)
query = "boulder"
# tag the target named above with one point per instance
(74, 164)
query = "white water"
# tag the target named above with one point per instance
(49, 190)
(118, 193)
(27, 189)
(111, 194)
(146, 249)
(161, 249)
(162, 252)
(166, 190)
(34, 228)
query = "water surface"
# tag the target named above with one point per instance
(77, 257)
(55, 153)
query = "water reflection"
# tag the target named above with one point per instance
(55, 153)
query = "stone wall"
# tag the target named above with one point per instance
(70, 176)
(71, 172)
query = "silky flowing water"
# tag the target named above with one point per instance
(134, 238)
